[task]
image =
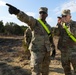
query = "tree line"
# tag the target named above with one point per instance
(11, 28)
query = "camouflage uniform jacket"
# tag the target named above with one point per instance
(40, 37)
(65, 41)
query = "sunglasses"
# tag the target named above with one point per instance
(42, 12)
(64, 15)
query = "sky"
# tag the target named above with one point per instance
(31, 7)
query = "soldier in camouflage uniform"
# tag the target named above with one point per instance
(66, 45)
(40, 45)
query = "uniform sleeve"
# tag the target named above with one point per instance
(51, 38)
(29, 20)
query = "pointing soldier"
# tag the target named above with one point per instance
(40, 45)
(67, 44)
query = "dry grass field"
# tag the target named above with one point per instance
(13, 60)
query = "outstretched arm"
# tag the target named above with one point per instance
(21, 15)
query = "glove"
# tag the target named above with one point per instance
(12, 9)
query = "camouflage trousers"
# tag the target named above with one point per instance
(68, 57)
(40, 63)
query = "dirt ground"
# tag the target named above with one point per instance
(13, 60)
(55, 65)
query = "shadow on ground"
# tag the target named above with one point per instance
(6, 69)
